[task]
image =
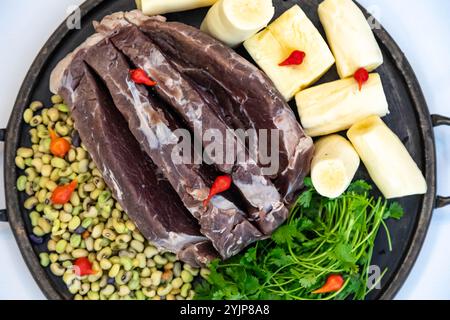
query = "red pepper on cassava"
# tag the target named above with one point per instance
(361, 76)
(83, 267)
(295, 59)
(334, 283)
(58, 146)
(221, 184)
(62, 194)
(139, 76)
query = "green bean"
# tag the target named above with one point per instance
(114, 271)
(162, 291)
(177, 283)
(44, 225)
(41, 195)
(58, 163)
(36, 105)
(93, 295)
(126, 263)
(191, 270)
(53, 114)
(75, 240)
(105, 264)
(95, 194)
(65, 172)
(156, 278)
(20, 162)
(148, 292)
(21, 183)
(79, 253)
(89, 243)
(108, 290)
(62, 129)
(30, 203)
(139, 295)
(185, 290)
(92, 213)
(160, 260)
(123, 238)
(56, 99)
(28, 115)
(186, 276)
(123, 290)
(57, 269)
(137, 245)
(44, 259)
(74, 223)
(109, 234)
(62, 107)
(53, 257)
(25, 152)
(75, 199)
(65, 217)
(97, 230)
(61, 246)
(35, 121)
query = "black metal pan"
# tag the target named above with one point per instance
(409, 118)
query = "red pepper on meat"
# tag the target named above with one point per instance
(221, 184)
(83, 267)
(139, 76)
(295, 59)
(361, 76)
(62, 194)
(334, 283)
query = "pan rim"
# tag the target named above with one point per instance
(12, 140)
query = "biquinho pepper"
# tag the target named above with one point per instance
(58, 146)
(83, 267)
(295, 59)
(139, 76)
(361, 76)
(62, 194)
(334, 283)
(221, 184)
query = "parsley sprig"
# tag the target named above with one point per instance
(321, 237)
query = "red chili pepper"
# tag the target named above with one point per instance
(361, 75)
(58, 146)
(334, 283)
(62, 194)
(139, 76)
(221, 184)
(295, 59)
(83, 267)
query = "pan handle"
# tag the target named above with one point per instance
(3, 215)
(437, 121)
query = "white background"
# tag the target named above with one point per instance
(420, 27)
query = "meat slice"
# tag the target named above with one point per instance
(265, 206)
(154, 128)
(147, 198)
(254, 95)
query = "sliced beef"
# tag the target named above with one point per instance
(151, 124)
(254, 95)
(149, 200)
(265, 206)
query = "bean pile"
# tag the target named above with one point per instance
(92, 224)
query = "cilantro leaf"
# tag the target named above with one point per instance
(359, 187)
(286, 234)
(395, 211)
(343, 252)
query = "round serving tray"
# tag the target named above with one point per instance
(409, 118)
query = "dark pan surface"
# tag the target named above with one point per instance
(409, 118)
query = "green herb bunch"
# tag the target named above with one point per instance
(321, 237)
